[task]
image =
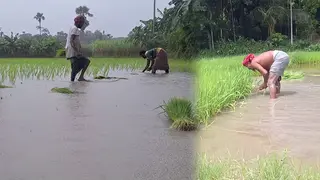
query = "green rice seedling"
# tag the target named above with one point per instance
(304, 58)
(51, 68)
(62, 90)
(212, 170)
(288, 75)
(291, 75)
(219, 84)
(180, 112)
(4, 86)
(270, 167)
(104, 77)
(100, 77)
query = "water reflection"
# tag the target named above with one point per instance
(109, 130)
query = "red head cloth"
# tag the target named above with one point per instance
(79, 19)
(247, 59)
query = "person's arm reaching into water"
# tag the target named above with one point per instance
(152, 62)
(149, 58)
(147, 66)
(263, 72)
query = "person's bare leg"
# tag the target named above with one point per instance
(81, 77)
(272, 85)
(278, 87)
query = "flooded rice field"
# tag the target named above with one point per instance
(109, 130)
(261, 126)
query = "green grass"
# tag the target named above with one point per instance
(180, 112)
(62, 90)
(4, 86)
(114, 48)
(292, 75)
(51, 68)
(304, 58)
(221, 82)
(288, 75)
(271, 167)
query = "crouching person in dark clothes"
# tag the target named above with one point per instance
(73, 49)
(158, 58)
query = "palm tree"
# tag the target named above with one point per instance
(210, 11)
(84, 11)
(10, 43)
(39, 17)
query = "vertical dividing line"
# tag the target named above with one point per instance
(291, 22)
(154, 16)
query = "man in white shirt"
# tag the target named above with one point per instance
(73, 49)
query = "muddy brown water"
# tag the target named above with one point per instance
(109, 130)
(260, 126)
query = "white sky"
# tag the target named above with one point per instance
(116, 17)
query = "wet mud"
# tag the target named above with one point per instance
(111, 130)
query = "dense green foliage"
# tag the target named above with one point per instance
(189, 28)
(46, 45)
(226, 27)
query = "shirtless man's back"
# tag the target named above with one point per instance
(265, 60)
(271, 65)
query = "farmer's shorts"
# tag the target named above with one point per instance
(281, 61)
(78, 63)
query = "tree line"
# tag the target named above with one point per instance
(190, 28)
(44, 44)
(226, 27)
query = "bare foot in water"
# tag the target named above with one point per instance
(83, 79)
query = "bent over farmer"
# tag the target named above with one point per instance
(271, 65)
(73, 49)
(158, 58)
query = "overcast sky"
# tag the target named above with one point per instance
(116, 17)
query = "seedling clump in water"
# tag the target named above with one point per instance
(4, 86)
(179, 111)
(103, 77)
(62, 90)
